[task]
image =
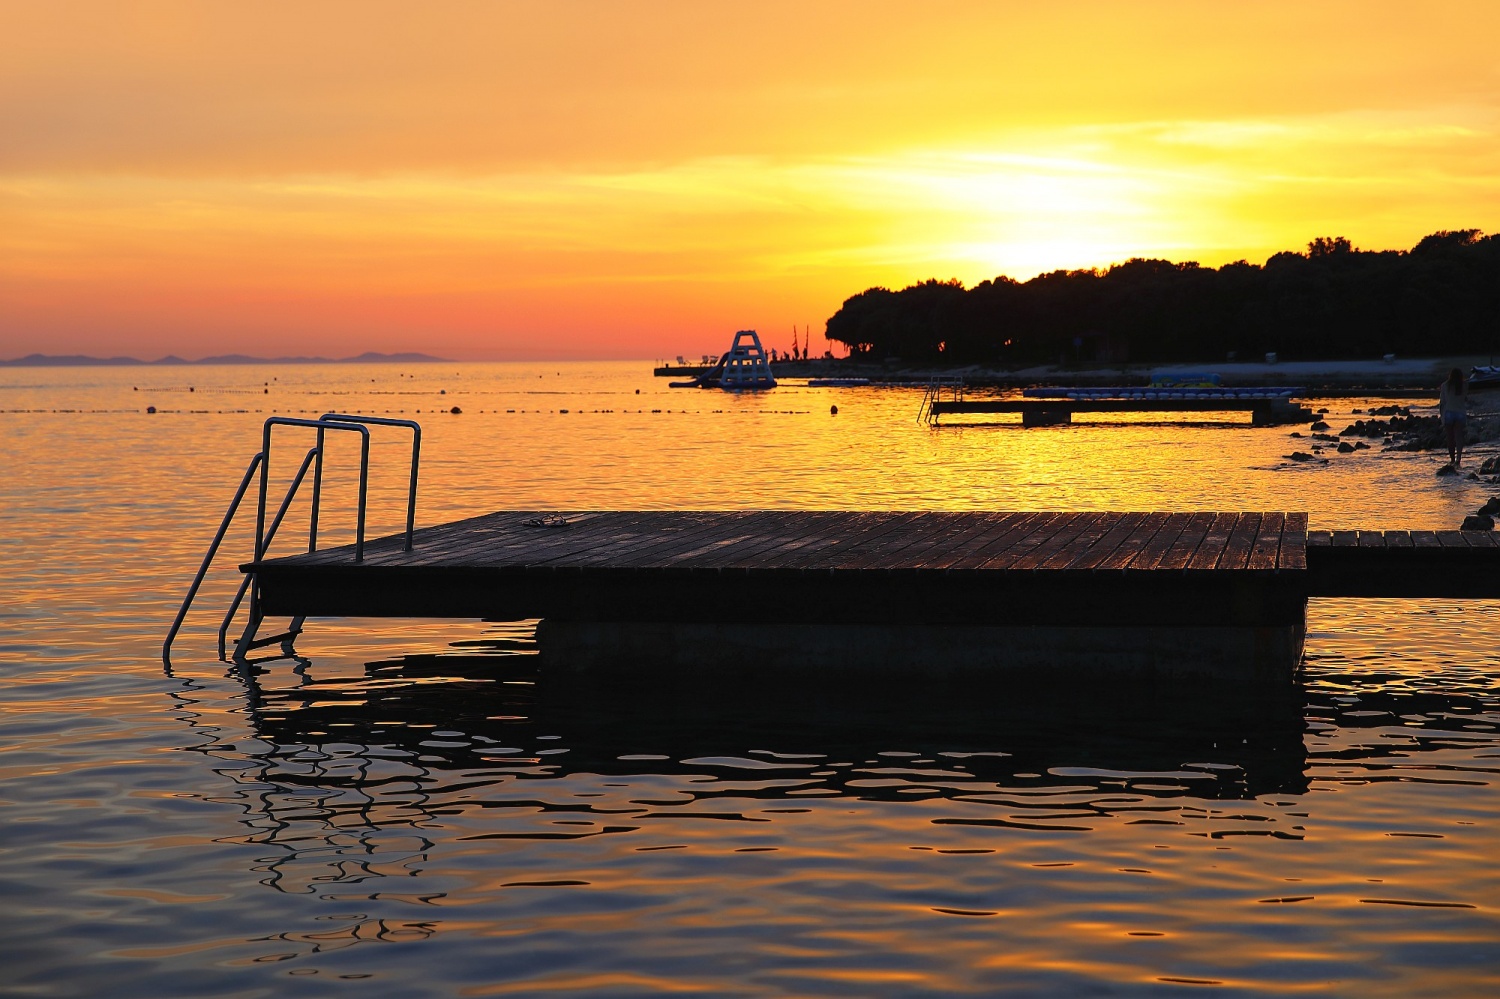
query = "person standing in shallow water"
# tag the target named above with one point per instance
(1453, 409)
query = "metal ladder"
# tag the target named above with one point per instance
(265, 534)
(934, 393)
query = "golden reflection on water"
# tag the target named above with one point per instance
(415, 806)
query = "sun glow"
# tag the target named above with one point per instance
(980, 214)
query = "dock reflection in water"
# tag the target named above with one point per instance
(835, 832)
(965, 834)
(453, 780)
(470, 712)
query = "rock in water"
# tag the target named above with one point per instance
(1345, 447)
(1490, 465)
(1478, 522)
(1299, 456)
(1319, 425)
(1491, 507)
(1447, 470)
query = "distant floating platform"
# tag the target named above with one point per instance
(1053, 406)
(1166, 393)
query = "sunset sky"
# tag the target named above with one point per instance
(621, 179)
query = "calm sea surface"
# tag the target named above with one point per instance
(416, 811)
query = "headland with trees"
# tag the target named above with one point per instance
(1441, 297)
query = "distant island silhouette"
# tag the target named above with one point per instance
(1333, 302)
(82, 360)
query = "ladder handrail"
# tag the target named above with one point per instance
(416, 448)
(265, 465)
(213, 549)
(286, 504)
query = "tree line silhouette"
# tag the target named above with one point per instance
(1334, 302)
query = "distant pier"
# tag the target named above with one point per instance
(1270, 406)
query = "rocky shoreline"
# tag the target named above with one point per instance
(1401, 430)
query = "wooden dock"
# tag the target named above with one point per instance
(1461, 564)
(941, 588)
(1165, 594)
(815, 567)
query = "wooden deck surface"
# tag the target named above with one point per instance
(1401, 539)
(818, 566)
(835, 541)
(1458, 564)
(863, 567)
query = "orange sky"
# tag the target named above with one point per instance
(615, 179)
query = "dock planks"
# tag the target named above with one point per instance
(1067, 554)
(1457, 564)
(818, 566)
(833, 540)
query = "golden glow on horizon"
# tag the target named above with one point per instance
(638, 179)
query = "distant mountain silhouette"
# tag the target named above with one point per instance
(82, 360)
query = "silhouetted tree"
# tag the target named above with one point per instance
(1334, 301)
(1327, 246)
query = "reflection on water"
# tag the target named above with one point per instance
(457, 712)
(836, 830)
(417, 808)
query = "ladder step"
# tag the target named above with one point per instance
(261, 643)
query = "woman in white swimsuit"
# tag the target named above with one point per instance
(1453, 407)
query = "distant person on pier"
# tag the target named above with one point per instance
(1453, 408)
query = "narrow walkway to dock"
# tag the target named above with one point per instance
(1463, 564)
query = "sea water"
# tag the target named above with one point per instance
(411, 809)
